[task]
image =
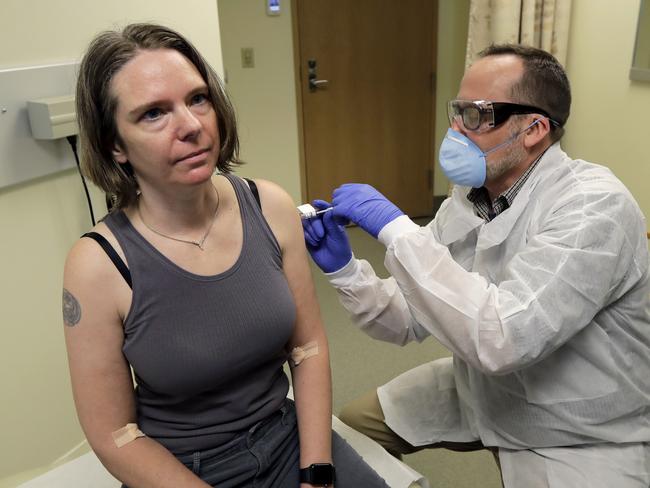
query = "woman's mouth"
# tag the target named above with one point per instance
(194, 157)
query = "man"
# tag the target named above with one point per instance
(534, 273)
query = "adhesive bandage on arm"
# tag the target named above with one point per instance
(300, 353)
(126, 434)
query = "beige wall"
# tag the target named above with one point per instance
(608, 123)
(41, 219)
(642, 48)
(453, 18)
(264, 96)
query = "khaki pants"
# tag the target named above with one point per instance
(366, 416)
(603, 465)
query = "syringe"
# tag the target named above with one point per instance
(308, 211)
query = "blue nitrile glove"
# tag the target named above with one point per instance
(364, 206)
(327, 241)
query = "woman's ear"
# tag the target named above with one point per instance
(119, 154)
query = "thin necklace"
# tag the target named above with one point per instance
(198, 244)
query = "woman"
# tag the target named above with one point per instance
(205, 294)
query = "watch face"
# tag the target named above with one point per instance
(322, 474)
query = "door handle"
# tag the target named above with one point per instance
(314, 83)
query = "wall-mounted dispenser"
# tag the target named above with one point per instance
(52, 118)
(22, 156)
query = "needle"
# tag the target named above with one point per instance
(307, 211)
(324, 210)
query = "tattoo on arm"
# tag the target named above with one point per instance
(71, 309)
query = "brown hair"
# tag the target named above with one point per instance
(107, 54)
(544, 83)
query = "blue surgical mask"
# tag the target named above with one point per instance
(463, 162)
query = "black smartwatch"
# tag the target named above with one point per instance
(318, 474)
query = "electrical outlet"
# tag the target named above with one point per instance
(247, 57)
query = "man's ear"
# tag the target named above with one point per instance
(119, 154)
(537, 132)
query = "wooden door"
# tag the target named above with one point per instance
(372, 122)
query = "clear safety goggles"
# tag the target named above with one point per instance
(483, 115)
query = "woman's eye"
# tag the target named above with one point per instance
(199, 98)
(152, 114)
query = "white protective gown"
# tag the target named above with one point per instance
(544, 309)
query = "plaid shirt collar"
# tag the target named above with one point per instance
(487, 209)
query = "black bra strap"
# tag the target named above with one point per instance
(117, 261)
(253, 188)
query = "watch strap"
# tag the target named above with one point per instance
(318, 474)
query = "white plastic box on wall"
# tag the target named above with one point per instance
(52, 118)
(22, 157)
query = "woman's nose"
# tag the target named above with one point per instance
(189, 124)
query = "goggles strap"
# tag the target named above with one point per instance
(511, 138)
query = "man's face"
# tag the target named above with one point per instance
(492, 78)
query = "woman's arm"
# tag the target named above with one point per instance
(311, 378)
(94, 297)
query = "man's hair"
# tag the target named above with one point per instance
(107, 54)
(544, 83)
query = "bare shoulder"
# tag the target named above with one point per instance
(85, 259)
(274, 197)
(90, 277)
(279, 209)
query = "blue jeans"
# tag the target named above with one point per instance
(267, 456)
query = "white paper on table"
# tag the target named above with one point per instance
(395, 472)
(83, 472)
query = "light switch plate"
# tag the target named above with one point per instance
(247, 57)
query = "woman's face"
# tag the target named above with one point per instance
(165, 119)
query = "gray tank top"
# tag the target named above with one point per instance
(207, 351)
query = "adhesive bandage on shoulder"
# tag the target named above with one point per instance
(300, 353)
(126, 434)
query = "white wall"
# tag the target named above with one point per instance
(609, 120)
(39, 221)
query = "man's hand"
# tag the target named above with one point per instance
(364, 206)
(327, 241)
